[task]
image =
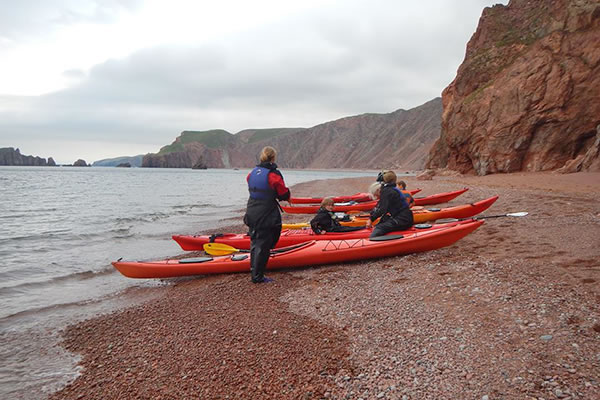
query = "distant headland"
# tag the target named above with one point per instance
(12, 156)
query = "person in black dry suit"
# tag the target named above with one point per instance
(263, 216)
(392, 207)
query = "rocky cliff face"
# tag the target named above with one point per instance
(527, 96)
(193, 154)
(11, 156)
(399, 140)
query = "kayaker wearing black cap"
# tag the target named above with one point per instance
(402, 185)
(266, 186)
(391, 207)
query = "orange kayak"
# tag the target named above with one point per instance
(420, 216)
(309, 253)
(358, 197)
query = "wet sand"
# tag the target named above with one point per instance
(511, 311)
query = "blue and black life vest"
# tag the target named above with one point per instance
(258, 184)
(404, 201)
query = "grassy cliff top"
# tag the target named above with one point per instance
(214, 139)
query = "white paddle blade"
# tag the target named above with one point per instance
(517, 214)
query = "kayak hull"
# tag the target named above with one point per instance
(309, 253)
(438, 198)
(313, 209)
(288, 237)
(420, 216)
(358, 197)
(368, 204)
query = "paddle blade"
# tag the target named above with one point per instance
(299, 225)
(517, 214)
(219, 249)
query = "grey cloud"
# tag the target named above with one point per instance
(28, 19)
(74, 73)
(301, 71)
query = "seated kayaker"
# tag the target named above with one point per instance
(375, 190)
(402, 185)
(326, 220)
(392, 207)
(406, 193)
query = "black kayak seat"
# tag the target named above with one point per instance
(195, 260)
(385, 237)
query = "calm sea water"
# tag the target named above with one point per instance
(59, 230)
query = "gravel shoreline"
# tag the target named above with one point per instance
(509, 312)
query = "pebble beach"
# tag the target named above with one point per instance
(512, 311)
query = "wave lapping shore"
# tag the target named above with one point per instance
(511, 311)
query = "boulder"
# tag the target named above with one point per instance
(426, 175)
(200, 164)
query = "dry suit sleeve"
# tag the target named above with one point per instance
(277, 183)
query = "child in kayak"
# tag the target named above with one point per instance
(392, 207)
(326, 220)
(406, 193)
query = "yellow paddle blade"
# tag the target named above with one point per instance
(298, 225)
(220, 249)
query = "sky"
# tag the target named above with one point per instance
(95, 79)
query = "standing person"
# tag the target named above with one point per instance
(391, 207)
(266, 187)
(326, 220)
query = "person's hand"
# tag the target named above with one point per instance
(369, 224)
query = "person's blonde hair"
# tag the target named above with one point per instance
(327, 201)
(389, 177)
(268, 154)
(374, 188)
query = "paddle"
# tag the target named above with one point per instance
(220, 249)
(516, 214)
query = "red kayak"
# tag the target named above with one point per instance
(438, 198)
(289, 237)
(309, 253)
(312, 209)
(369, 205)
(358, 197)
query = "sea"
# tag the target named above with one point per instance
(60, 227)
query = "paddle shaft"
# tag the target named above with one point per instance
(518, 214)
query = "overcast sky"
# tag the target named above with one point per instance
(97, 79)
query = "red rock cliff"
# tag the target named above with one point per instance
(527, 95)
